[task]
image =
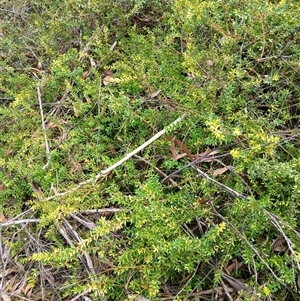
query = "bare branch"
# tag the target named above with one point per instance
(138, 149)
(244, 238)
(14, 220)
(81, 294)
(159, 171)
(101, 211)
(220, 185)
(106, 171)
(44, 127)
(18, 222)
(275, 222)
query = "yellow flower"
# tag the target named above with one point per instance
(235, 153)
(266, 291)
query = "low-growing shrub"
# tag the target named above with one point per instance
(209, 208)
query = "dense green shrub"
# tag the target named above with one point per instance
(111, 74)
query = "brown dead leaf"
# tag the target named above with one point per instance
(235, 265)
(279, 245)
(13, 283)
(92, 62)
(173, 149)
(3, 219)
(236, 284)
(27, 290)
(191, 76)
(204, 154)
(8, 272)
(154, 94)
(5, 297)
(52, 125)
(231, 267)
(207, 154)
(212, 153)
(175, 152)
(37, 190)
(142, 298)
(181, 145)
(106, 80)
(201, 200)
(39, 65)
(220, 171)
(209, 63)
(108, 73)
(19, 86)
(85, 74)
(179, 156)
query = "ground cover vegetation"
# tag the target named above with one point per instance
(209, 210)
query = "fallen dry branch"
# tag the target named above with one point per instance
(228, 223)
(39, 93)
(106, 171)
(18, 222)
(218, 184)
(159, 171)
(274, 220)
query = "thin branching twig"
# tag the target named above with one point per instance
(106, 171)
(39, 93)
(18, 222)
(275, 222)
(159, 171)
(247, 243)
(138, 149)
(218, 184)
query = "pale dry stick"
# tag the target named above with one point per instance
(7, 251)
(138, 149)
(60, 194)
(21, 214)
(4, 257)
(198, 295)
(218, 184)
(13, 222)
(88, 261)
(81, 294)
(101, 211)
(228, 223)
(187, 283)
(192, 293)
(232, 170)
(199, 160)
(276, 224)
(159, 171)
(43, 273)
(291, 228)
(39, 93)
(87, 224)
(254, 269)
(61, 229)
(22, 221)
(64, 229)
(13, 12)
(225, 290)
(106, 171)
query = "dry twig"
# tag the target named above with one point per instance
(106, 171)
(18, 222)
(39, 93)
